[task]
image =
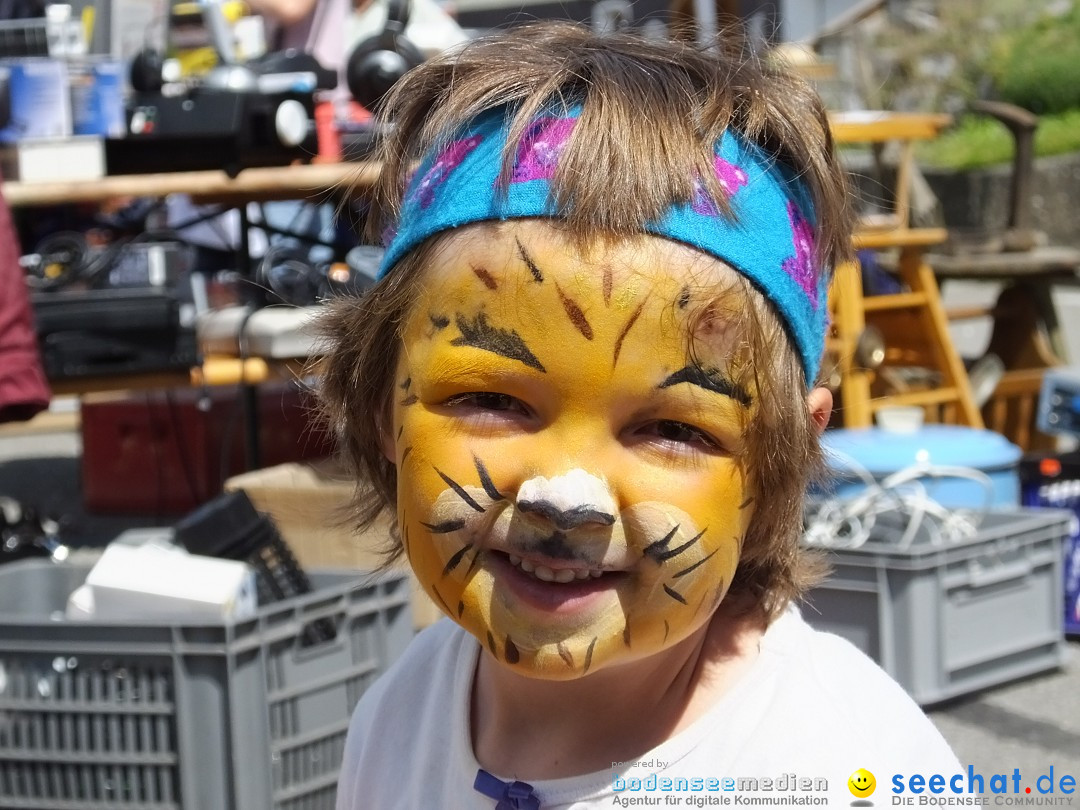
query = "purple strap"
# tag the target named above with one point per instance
(509, 795)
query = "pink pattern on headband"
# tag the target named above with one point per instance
(449, 159)
(539, 150)
(701, 202)
(800, 267)
(731, 178)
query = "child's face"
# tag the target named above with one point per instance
(571, 480)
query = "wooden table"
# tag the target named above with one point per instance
(251, 185)
(308, 181)
(214, 370)
(1025, 335)
(298, 181)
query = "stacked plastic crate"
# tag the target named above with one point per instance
(237, 716)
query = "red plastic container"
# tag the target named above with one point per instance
(166, 452)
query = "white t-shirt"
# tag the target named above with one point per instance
(811, 707)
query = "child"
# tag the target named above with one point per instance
(585, 385)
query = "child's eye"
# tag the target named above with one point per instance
(487, 401)
(679, 432)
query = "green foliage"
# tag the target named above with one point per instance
(978, 141)
(972, 143)
(946, 65)
(1026, 53)
(1041, 71)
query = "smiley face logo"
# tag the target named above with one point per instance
(861, 783)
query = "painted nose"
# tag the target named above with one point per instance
(568, 501)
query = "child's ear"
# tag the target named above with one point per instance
(386, 444)
(386, 440)
(820, 404)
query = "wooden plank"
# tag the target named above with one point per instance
(878, 126)
(898, 238)
(261, 183)
(1061, 263)
(213, 371)
(1019, 382)
(120, 382)
(846, 300)
(920, 277)
(877, 303)
(934, 396)
(44, 422)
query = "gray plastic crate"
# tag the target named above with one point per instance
(141, 716)
(948, 620)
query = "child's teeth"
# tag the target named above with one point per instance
(545, 574)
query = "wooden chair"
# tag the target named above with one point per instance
(912, 323)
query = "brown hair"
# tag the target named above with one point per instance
(651, 113)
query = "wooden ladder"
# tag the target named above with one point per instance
(912, 323)
(915, 329)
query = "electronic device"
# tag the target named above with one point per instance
(1059, 402)
(208, 128)
(26, 533)
(377, 62)
(64, 259)
(257, 113)
(85, 333)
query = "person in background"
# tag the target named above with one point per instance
(316, 27)
(330, 29)
(23, 389)
(430, 27)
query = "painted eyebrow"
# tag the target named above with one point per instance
(711, 380)
(507, 343)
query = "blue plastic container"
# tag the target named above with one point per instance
(883, 453)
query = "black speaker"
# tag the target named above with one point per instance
(146, 71)
(377, 62)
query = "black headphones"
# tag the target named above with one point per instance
(377, 62)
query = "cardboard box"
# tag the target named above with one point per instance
(54, 160)
(310, 504)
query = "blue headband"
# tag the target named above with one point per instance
(770, 240)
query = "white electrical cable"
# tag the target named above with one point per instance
(836, 522)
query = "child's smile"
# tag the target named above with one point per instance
(571, 480)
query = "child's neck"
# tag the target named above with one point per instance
(526, 728)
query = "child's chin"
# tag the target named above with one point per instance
(549, 666)
(555, 661)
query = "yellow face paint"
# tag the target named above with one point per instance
(570, 480)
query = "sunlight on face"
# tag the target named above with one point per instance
(571, 481)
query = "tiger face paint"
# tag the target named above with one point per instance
(571, 477)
